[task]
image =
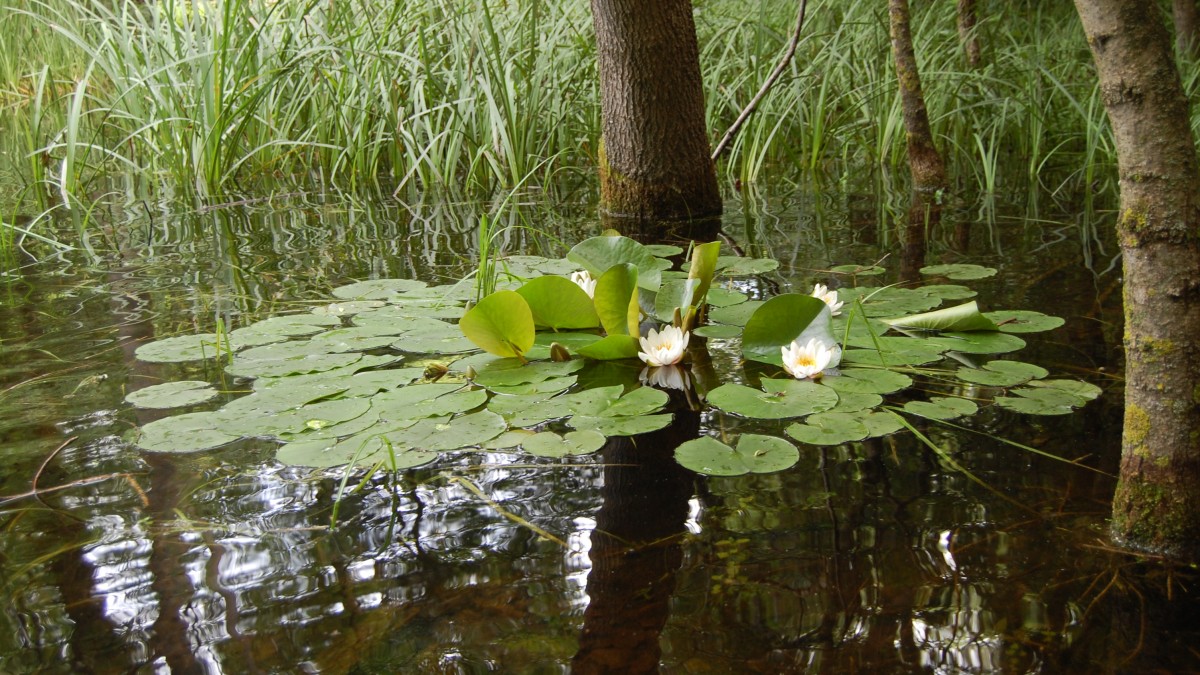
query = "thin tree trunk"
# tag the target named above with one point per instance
(924, 160)
(1187, 26)
(654, 155)
(966, 32)
(1157, 503)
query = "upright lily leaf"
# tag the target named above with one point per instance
(964, 317)
(559, 303)
(677, 293)
(617, 299)
(598, 254)
(704, 266)
(776, 323)
(500, 324)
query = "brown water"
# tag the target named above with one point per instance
(867, 557)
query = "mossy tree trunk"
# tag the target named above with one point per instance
(1157, 502)
(1187, 26)
(654, 155)
(924, 161)
(966, 33)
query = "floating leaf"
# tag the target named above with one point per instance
(1024, 321)
(189, 432)
(314, 416)
(440, 337)
(287, 358)
(737, 266)
(545, 387)
(172, 395)
(1084, 390)
(500, 324)
(948, 291)
(616, 300)
(599, 254)
(611, 348)
(781, 399)
(663, 250)
(980, 342)
(849, 402)
(279, 327)
(460, 432)
(829, 428)
(621, 426)
(723, 297)
(880, 423)
(889, 301)
(736, 315)
(511, 372)
(550, 444)
(719, 331)
(399, 404)
(867, 381)
(942, 408)
(640, 401)
(778, 322)
(377, 289)
(964, 317)
(180, 348)
(754, 454)
(959, 271)
(559, 303)
(858, 270)
(356, 339)
(509, 440)
(348, 308)
(1002, 373)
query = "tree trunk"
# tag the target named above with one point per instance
(1157, 504)
(1187, 26)
(924, 160)
(966, 32)
(654, 154)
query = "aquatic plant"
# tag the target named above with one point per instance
(384, 377)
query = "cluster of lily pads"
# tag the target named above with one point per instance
(569, 352)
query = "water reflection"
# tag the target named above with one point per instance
(876, 556)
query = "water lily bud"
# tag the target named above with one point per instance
(470, 374)
(559, 353)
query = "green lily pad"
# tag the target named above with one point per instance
(640, 401)
(460, 432)
(867, 381)
(735, 315)
(616, 300)
(406, 403)
(663, 250)
(599, 254)
(880, 423)
(779, 399)
(548, 387)
(379, 445)
(949, 292)
(723, 297)
(550, 444)
(1024, 321)
(559, 303)
(777, 323)
(314, 416)
(356, 339)
(964, 317)
(1083, 390)
(889, 301)
(858, 270)
(511, 372)
(509, 440)
(718, 331)
(287, 358)
(281, 327)
(1002, 373)
(181, 348)
(980, 342)
(500, 324)
(377, 289)
(852, 402)
(621, 426)
(347, 308)
(737, 266)
(959, 271)
(172, 395)
(829, 428)
(754, 454)
(189, 432)
(942, 408)
(611, 348)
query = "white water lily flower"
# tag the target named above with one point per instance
(664, 377)
(665, 348)
(829, 297)
(584, 280)
(809, 360)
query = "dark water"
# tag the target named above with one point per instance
(867, 557)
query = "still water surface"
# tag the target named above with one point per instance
(867, 557)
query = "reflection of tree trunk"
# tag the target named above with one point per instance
(924, 160)
(966, 32)
(654, 155)
(635, 550)
(1157, 502)
(169, 578)
(923, 215)
(1187, 26)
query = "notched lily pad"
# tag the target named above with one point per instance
(754, 454)
(172, 395)
(942, 408)
(779, 399)
(1002, 373)
(959, 271)
(1024, 321)
(377, 289)
(181, 348)
(867, 381)
(189, 432)
(858, 270)
(737, 266)
(550, 444)
(829, 428)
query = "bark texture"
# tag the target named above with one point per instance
(654, 155)
(1187, 26)
(966, 32)
(924, 161)
(1157, 503)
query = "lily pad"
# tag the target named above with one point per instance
(867, 381)
(621, 426)
(718, 331)
(777, 322)
(1024, 321)
(858, 270)
(852, 402)
(347, 308)
(500, 324)
(511, 372)
(180, 348)
(377, 289)
(189, 432)
(755, 453)
(559, 303)
(1084, 390)
(287, 358)
(616, 300)
(829, 428)
(942, 408)
(979, 342)
(737, 266)
(356, 339)
(880, 423)
(735, 315)
(949, 291)
(779, 399)
(599, 254)
(964, 317)
(1002, 373)
(959, 271)
(611, 348)
(723, 297)
(663, 250)
(550, 444)
(172, 395)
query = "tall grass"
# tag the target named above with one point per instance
(202, 99)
